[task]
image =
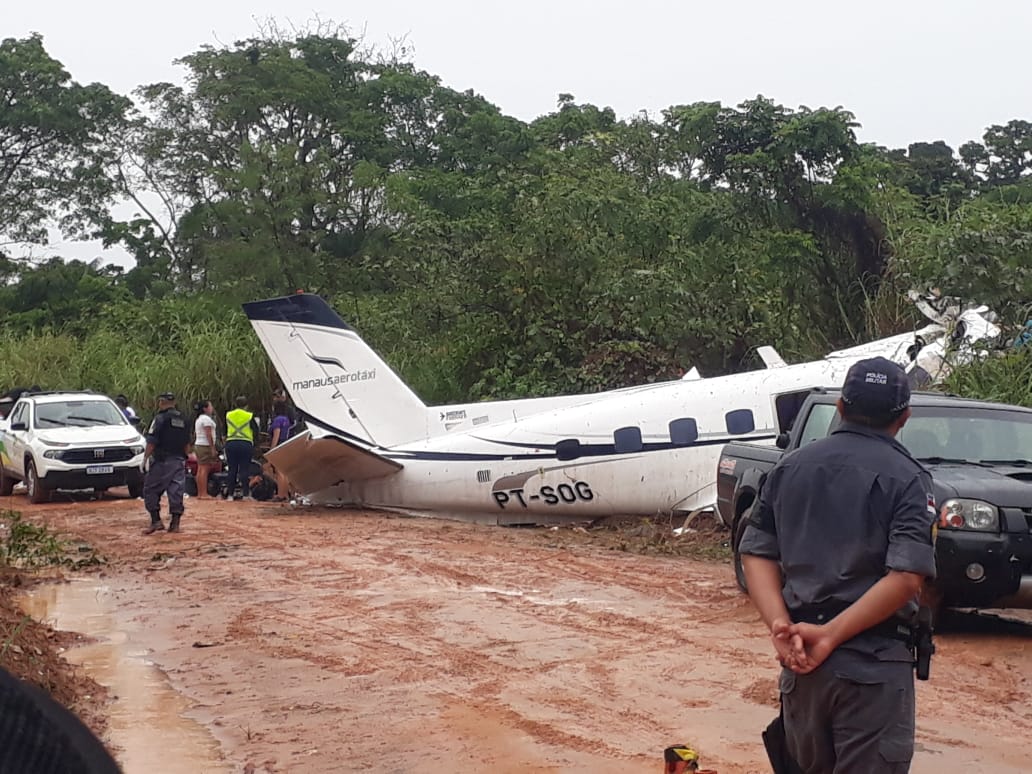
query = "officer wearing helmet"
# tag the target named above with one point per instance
(168, 444)
(835, 554)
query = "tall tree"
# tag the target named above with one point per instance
(55, 145)
(1004, 157)
(271, 161)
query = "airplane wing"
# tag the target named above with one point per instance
(312, 464)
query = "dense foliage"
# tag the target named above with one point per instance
(484, 256)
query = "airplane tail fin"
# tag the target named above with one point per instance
(334, 378)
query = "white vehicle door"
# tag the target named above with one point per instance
(18, 438)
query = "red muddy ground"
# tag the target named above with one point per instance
(343, 641)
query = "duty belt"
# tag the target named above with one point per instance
(893, 628)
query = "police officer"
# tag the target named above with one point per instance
(848, 520)
(168, 443)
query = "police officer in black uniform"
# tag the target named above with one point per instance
(168, 443)
(849, 522)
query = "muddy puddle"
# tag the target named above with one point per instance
(148, 727)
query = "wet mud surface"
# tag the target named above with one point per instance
(273, 639)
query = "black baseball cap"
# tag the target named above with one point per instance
(167, 396)
(876, 387)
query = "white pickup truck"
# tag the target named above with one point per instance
(69, 440)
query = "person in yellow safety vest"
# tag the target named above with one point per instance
(241, 432)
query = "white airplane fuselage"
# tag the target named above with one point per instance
(645, 450)
(510, 472)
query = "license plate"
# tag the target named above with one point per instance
(97, 470)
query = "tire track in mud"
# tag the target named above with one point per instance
(479, 667)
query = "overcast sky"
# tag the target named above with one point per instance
(908, 69)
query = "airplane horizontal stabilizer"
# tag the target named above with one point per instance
(312, 464)
(770, 357)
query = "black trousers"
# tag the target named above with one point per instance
(238, 455)
(842, 721)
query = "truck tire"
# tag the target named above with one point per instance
(6, 483)
(740, 525)
(37, 494)
(136, 489)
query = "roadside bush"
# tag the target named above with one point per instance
(210, 359)
(27, 546)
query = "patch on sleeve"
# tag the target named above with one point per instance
(931, 505)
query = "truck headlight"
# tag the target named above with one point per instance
(137, 450)
(53, 454)
(962, 513)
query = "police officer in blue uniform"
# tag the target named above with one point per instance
(168, 444)
(836, 552)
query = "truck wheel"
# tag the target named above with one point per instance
(6, 483)
(135, 489)
(37, 494)
(740, 525)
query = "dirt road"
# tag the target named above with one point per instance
(324, 641)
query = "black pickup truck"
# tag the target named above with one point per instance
(980, 458)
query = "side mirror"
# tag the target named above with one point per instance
(782, 440)
(19, 426)
(134, 421)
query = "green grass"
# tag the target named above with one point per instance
(1003, 377)
(24, 545)
(214, 362)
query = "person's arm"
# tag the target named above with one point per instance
(879, 602)
(761, 554)
(761, 563)
(275, 437)
(763, 577)
(209, 433)
(152, 440)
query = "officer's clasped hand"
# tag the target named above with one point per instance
(802, 647)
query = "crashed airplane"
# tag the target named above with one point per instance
(647, 450)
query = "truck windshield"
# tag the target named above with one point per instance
(968, 433)
(79, 413)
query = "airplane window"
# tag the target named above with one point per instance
(568, 449)
(740, 422)
(627, 439)
(684, 432)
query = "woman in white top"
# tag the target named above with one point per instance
(204, 445)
